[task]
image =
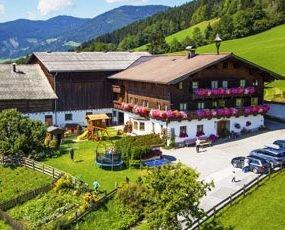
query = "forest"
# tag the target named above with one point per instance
(237, 18)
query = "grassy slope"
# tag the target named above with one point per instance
(14, 182)
(84, 166)
(181, 35)
(262, 209)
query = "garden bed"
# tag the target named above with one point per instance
(17, 181)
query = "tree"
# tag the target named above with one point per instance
(198, 37)
(165, 194)
(20, 134)
(175, 45)
(157, 43)
(209, 33)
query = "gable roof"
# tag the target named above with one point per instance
(87, 61)
(173, 69)
(28, 83)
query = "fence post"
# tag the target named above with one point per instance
(52, 172)
(244, 190)
(33, 165)
(231, 199)
(43, 169)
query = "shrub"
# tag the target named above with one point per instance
(53, 144)
(46, 143)
(64, 182)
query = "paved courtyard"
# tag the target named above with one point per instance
(214, 163)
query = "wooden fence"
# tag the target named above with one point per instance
(230, 199)
(9, 220)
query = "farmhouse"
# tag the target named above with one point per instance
(25, 88)
(80, 82)
(197, 95)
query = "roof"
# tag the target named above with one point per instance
(54, 129)
(97, 117)
(28, 83)
(172, 69)
(87, 61)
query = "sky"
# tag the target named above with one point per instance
(44, 9)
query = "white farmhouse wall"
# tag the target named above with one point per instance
(277, 110)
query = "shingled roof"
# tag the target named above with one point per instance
(87, 61)
(28, 83)
(172, 69)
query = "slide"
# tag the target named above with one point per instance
(83, 136)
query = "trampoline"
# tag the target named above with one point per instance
(109, 159)
(157, 163)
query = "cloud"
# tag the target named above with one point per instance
(2, 9)
(48, 6)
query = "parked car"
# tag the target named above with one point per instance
(280, 143)
(276, 157)
(256, 164)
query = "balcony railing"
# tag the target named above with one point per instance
(222, 92)
(176, 115)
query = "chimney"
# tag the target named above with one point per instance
(191, 51)
(14, 68)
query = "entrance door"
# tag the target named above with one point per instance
(121, 118)
(221, 127)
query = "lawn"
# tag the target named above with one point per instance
(181, 35)
(14, 182)
(263, 209)
(4, 226)
(85, 168)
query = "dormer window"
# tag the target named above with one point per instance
(195, 85)
(180, 85)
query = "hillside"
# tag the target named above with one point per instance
(22, 37)
(181, 35)
(238, 19)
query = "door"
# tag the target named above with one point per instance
(48, 120)
(121, 118)
(221, 127)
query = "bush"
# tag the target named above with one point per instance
(64, 183)
(53, 144)
(138, 147)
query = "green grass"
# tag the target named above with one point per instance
(263, 209)
(181, 35)
(14, 182)
(4, 226)
(85, 168)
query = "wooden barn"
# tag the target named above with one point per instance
(80, 81)
(26, 89)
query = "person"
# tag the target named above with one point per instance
(246, 165)
(127, 180)
(71, 153)
(234, 176)
(198, 142)
(96, 185)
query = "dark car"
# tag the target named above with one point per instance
(280, 143)
(276, 157)
(256, 164)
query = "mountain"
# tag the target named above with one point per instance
(238, 18)
(22, 37)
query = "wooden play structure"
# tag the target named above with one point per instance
(96, 126)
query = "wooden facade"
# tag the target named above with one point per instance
(170, 96)
(28, 106)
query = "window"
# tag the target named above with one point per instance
(200, 130)
(195, 85)
(242, 83)
(158, 105)
(225, 84)
(68, 117)
(131, 100)
(255, 83)
(254, 101)
(201, 105)
(214, 104)
(48, 120)
(142, 126)
(180, 85)
(145, 103)
(225, 65)
(136, 101)
(215, 84)
(135, 125)
(222, 103)
(239, 102)
(183, 132)
(183, 106)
